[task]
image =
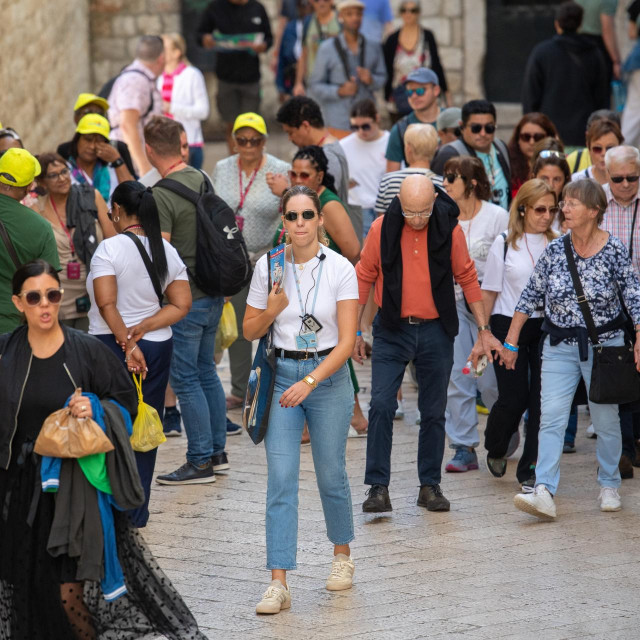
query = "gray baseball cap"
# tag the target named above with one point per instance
(449, 118)
(423, 75)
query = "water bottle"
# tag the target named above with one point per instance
(483, 361)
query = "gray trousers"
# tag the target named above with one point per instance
(240, 351)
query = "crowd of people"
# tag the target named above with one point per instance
(489, 272)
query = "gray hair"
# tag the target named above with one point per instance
(423, 140)
(589, 193)
(622, 154)
(149, 48)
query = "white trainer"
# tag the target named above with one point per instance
(275, 598)
(341, 576)
(591, 431)
(539, 503)
(610, 499)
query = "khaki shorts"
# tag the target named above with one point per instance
(234, 98)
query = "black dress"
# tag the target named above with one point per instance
(31, 606)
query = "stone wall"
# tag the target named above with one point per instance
(45, 65)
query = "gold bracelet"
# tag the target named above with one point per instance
(311, 381)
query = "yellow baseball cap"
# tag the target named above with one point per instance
(87, 98)
(18, 168)
(252, 120)
(94, 123)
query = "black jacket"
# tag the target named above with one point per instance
(242, 67)
(566, 79)
(92, 365)
(429, 42)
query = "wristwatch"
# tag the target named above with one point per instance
(484, 327)
(116, 163)
(311, 381)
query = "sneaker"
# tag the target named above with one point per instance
(609, 499)
(189, 473)
(378, 500)
(341, 576)
(233, 429)
(354, 433)
(220, 461)
(276, 598)
(399, 415)
(539, 503)
(497, 466)
(529, 484)
(432, 498)
(626, 467)
(171, 423)
(569, 447)
(514, 443)
(480, 406)
(465, 459)
(591, 432)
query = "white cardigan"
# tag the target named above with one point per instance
(189, 102)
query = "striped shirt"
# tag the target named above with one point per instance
(391, 182)
(618, 221)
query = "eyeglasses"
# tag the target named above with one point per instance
(302, 175)
(563, 204)
(420, 91)
(619, 179)
(32, 298)
(364, 127)
(541, 210)
(451, 177)
(597, 148)
(535, 137)
(409, 10)
(56, 176)
(551, 153)
(249, 142)
(418, 214)
(307, 214)
(477, 128)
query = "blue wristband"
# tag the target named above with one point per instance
(358, 333)
(510, 347)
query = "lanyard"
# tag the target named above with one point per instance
(303, 309)
(243, 194)
(85, 176)
(63, 225)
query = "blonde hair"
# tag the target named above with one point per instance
(423, 140)
(528, 194)
(179, 43)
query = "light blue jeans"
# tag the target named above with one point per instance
(561, 372)
(327, 410)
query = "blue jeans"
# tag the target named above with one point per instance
(368, 216)
(196, 157)
(328, 411)
(195, 380)
(561, 372)
(431, 350)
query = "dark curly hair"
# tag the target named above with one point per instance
(316, 156)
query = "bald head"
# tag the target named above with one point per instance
(417, 196)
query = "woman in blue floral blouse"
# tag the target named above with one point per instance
(604, 268)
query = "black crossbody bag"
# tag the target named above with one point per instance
(9, 246)
(614, 377)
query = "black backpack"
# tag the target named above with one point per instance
(223, 266)
(107, 88)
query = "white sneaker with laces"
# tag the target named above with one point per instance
(539, 503)
(591, 431)
(341, 576)
(275, 598)
(610, 499)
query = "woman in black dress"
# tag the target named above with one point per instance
(43, 597)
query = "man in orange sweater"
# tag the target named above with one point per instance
(412, 255)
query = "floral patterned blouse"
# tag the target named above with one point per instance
(603, 275)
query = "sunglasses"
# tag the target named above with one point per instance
(597, 148)
(540, 211)
(307, 214)
(477, 128)
(364, 127)
(409, 10)
(420, 91)
(32, 298)
(249, 142)
(532, 137)
(55, 176)
(302, 175)
(551, 153)
(619, 179)
(451, 177)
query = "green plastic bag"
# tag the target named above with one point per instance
(147, 427)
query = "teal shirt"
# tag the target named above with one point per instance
(593, 9)
(395, 146)
(497, 179)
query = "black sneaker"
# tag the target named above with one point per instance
(220, 462)
(189, 473)
(497, 466)
(529, 484)
(172, 422)
(378, 500)
(432, 498)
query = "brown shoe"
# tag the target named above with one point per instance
(625, 466)
(636, 462)
(233, 402)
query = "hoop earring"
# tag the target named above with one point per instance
(116, 219)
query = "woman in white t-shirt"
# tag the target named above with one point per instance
(510, 263)
(312, 384)
(126, 313)
(466, 181)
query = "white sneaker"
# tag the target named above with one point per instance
(539, 503)
(610, 499)
(274, 599)
(341, 576)
(399, 411)
(591, 432)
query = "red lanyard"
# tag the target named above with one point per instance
(63, 225)
(243, 194)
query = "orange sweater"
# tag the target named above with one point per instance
(417, 299)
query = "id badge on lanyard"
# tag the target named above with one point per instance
(308, 337)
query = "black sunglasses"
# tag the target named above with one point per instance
(364, 127)
(532, 137)
(307, 214)
(451, 177)
(32, 298)
(409, 10)
(251, 142)
(477, 128)
(619, 179)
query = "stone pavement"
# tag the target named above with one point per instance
(483, 570)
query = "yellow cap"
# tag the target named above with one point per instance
(18, 168)
(252, 120)
(87, 98)
(94, 123)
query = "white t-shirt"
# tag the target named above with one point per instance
(337, 282)
(367, 165)
(480, 232)
(509, 277)
(137, 299)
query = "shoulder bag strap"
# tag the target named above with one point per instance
(633, 226)
(151, 270)
(180, 189)
(577, 285)
(506, 246)
(343, 56)
(9, 245)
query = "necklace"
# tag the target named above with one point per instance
(134, 226)
(584, 253)
(533, 262)
(171, 168)
(468, 234)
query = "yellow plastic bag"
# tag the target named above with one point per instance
(147, 427)
(227, 328)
